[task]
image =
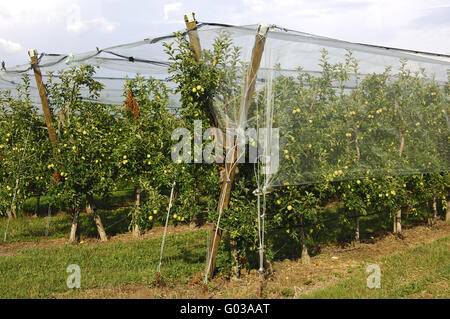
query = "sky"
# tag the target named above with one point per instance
(65, 26)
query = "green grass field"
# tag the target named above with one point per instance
(41, 272)
(27, 229)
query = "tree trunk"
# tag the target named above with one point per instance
(447, 211)
(36, 208)
(13, 211)
(434, 211)
(74, 231)
(408, 209)
(100, 229)
(236, 267)
(398, 221)
(195, 218)
(267, 265)
(90, 208)
(305, 255)
(357, 239)
(136, 229)
(8, 212)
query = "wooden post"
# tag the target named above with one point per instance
(191, 26)
(194, 40)
(257, 52)
(42, 94)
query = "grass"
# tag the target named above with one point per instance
(420, 272)
(111, 209)
(41, 272)
(27, 229)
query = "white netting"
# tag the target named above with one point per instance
(342, 110)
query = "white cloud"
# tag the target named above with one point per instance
(9, 46)
(76, 25)
(424, 39)
(394, 14)
(255, 5)
(170, 7)
(382, 22)
(30, 14)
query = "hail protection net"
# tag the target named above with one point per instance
(113, 65)
(328, 110)
(309, 108)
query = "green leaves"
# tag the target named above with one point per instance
(23, 143)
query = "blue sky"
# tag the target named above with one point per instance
(64, 26)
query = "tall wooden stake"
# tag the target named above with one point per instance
(255, 62)
(194, 40)
(191, 26)
(42, 94)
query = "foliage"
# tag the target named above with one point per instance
(366, 147)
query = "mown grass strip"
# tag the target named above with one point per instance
(26, 229)
(40, 273)
(419, 272)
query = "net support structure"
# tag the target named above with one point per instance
(191, 26)
(230, 167)
(38, 76)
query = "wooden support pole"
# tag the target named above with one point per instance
(230, 167)
(252, 71)
(191, 26)
(42, 94)
(194, 40)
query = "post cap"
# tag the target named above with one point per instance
(32, 53)
(263, 28)
(189, 17)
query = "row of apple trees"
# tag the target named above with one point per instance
(360, 150)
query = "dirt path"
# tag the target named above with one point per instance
(10, 249)
(331, 265)
(156, 232)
